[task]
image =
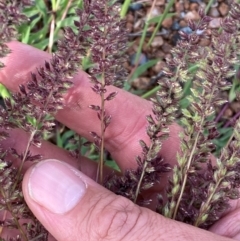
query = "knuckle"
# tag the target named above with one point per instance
(117, 217)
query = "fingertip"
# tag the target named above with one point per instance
(19, 63)
(60, 197)
(55, 186)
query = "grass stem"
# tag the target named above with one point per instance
(166, 11)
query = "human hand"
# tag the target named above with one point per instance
(68, 202)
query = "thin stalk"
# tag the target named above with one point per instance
(55, 6)
(189, 162)
(9, 207)
(144, 170)
(102, 140)
(225, 106)
(125, 7)
(166, 10)
(140, 181)
(232, 120)
(210, 3)
(23, 159)
(205, 206)
(26, 151)
(66, 10)
(151, 92)
(53, 3)
(103, 83)
(58, 26)
(139, 50)
(144, 33)
(51, 34)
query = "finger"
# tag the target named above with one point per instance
(18, 140)
(128, 111)
(70, 206)
(228, 226)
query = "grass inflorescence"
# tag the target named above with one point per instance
(201, 185)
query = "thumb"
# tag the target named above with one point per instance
(73, 207)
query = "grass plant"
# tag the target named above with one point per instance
(94, 38)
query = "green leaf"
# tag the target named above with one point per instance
(112, 164)
(42, 8)
(25, 33)
(63, 140)
(158, 18)
(125, 7)
(142, 68)
(42, 44)
(69, 21)
(4, 93)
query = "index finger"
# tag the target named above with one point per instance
(128, 124)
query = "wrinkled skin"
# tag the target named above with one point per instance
(101, 215)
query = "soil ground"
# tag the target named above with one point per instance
(167, 38)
